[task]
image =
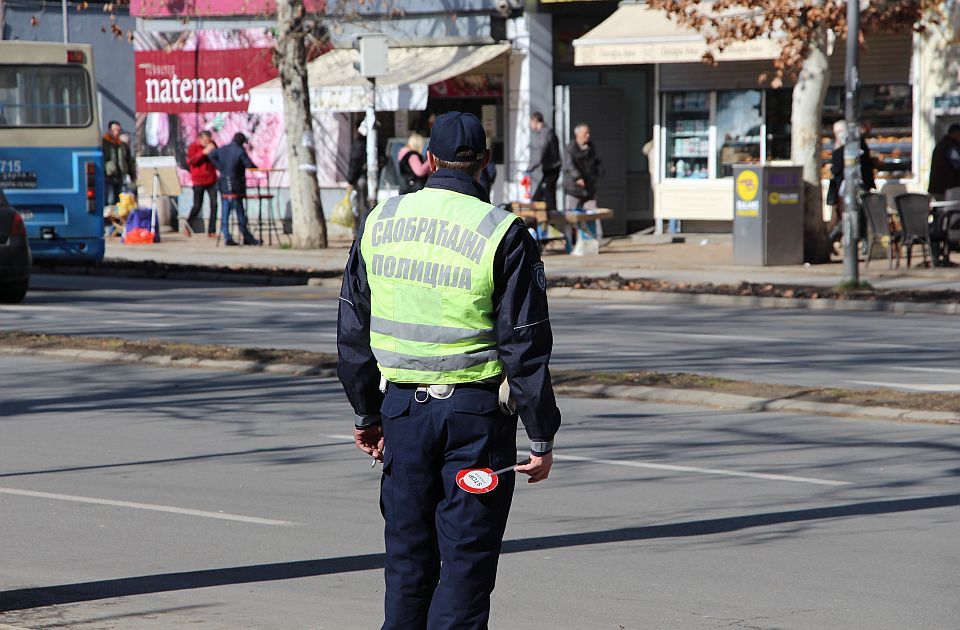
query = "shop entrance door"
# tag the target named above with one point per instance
(602, 108)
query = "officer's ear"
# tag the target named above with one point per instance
(432, 162)
(487, 156)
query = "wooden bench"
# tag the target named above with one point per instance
(585, 223)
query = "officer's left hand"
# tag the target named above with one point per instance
(370, 440)
(538, 468)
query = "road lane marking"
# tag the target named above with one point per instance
(702, 471)
(672, 467)
(928, 369)
(919, 387)
(223, 516)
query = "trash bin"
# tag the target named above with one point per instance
(767, 215)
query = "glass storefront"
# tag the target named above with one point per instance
(687, 124)
(748, 126)
(887, 114)
(739, 127)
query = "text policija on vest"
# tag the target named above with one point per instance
(454, 237)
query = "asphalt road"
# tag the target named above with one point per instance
(809, 348)
(146, 498)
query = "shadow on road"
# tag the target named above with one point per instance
(123, 587)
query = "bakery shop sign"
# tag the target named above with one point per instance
(186, 81)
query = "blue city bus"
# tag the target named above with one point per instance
(51, 163)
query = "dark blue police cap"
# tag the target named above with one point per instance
(457, 137)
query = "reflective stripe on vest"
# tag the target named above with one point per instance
(429, 260)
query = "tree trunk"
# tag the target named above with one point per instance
(309, 227)
(805, 124)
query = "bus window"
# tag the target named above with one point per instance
(44, 96)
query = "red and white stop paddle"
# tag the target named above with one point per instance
(482, 480)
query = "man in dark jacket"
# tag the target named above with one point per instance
(357, 175)
(545, 157)
(118, 162)
(232, 161)
(438, 412)
(582, 169)
(945, 164)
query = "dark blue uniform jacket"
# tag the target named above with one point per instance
(524, 337)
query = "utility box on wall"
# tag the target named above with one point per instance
(767, 215)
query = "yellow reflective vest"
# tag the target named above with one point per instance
(429, 261)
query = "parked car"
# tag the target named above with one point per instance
(15, 259)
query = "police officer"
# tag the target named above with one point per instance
(443, 305)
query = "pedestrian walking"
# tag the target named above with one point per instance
(119, 167)
(582, 169)
(945, 164)
(232, 161)
(357, 175)
(545, 160)
(413, 169)
(443, 307)
(203, 175)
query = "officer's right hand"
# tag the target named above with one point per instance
(538, 468)
(370, 441)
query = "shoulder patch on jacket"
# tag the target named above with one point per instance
(540, 276)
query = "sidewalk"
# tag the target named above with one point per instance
(701, 258)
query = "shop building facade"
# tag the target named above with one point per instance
(467, 55)
(708, 118)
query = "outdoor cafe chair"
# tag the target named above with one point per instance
(914, 212)
(875, 207)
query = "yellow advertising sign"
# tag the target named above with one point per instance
(748, 185)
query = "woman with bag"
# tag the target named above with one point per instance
(413, 168)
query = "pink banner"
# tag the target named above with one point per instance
(234, 58)
(208, 8)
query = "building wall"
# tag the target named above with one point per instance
(112, 56)
(530, 89)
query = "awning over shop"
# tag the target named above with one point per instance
(335, 84)
(636, 34)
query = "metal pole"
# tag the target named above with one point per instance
(63, 8)
(851, 150)
(372, 167)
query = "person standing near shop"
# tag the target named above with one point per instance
(444, 299)
(119, 167)
(835, 189)
(203, 176)
(945, 164)
(413, 169)
(544, 157)
(582, 170)
(232, 161)
(357, 175)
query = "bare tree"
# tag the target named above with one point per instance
(295, 33)
(803, 28)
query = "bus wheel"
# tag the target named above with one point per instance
(13, 292)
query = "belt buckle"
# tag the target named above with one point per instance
(439, 392)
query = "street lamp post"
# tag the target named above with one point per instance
(63, 10)
(373, 63)
(851, 150)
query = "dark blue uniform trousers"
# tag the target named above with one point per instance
(443, 544)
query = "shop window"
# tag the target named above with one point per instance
(779, 105)
(887, 111)
(687, 129)
(739, 129)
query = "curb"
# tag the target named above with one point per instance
(696, 397)
(737, 402)
(299, 277)
(120, 268)
(710, 299)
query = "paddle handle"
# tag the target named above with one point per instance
(508, 468)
